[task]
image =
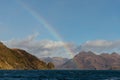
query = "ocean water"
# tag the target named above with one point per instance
(59, 75)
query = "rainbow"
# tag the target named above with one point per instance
(47, 26)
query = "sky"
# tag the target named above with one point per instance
(81, 22)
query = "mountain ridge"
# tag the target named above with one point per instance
(17, 59)
(91, 61)
(57, 61)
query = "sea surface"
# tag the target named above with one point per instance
(59, 75)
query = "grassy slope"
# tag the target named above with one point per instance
(19, 59)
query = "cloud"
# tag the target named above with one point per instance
(100, 46)
(41, 48)
(50, 48)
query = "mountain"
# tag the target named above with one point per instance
(92, 61)
(57, 61)
(17, 59)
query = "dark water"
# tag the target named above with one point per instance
(59, 75)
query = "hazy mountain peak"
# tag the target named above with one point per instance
(89, 60)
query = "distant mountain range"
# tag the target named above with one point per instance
(17, 59)
(57, 61)
(88, 61)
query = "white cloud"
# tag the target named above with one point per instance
(100, 46)
(49, 48)
(40, 48)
